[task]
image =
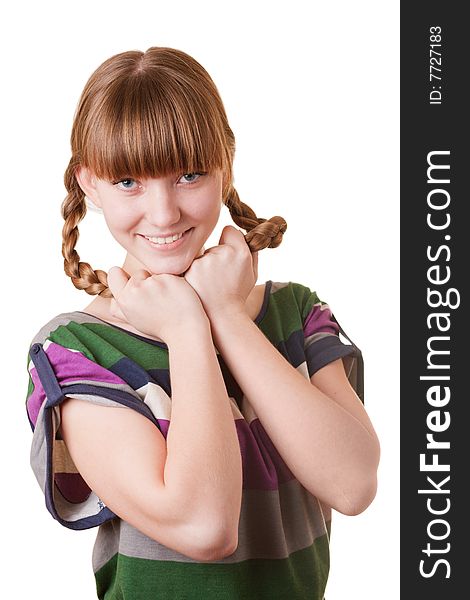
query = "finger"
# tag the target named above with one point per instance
(117, 279)
(141, 274)
(231, 235)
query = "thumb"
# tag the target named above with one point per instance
(117, 279)
(230, 234)
(255, 265)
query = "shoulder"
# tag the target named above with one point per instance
(294, 296)
(287, 306)
(61, 328)
(54, 324)
(73, 336)
(75, 353)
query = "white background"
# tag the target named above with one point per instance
(311, 91)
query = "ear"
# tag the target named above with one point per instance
(87, 181)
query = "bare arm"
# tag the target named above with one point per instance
(204, 459)
(185, 494)
(319, 427)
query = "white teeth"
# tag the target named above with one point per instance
(167, 240)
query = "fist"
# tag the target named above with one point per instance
(224, 275)
(154, 304)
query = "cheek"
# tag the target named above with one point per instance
(119, 220)
(206, 206)
(208, 210)
(208, 214)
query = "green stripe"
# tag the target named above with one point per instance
(302, 575)
(64, 336)
(281, 320)
(106, 345)
(305, 299)
(147, 355)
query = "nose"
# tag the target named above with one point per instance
(162, 210)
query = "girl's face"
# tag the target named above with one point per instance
(138, 212)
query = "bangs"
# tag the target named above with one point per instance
(149, 126)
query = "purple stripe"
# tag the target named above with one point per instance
(263, 466)
(319, 320)
(68, 367)
(72, 487)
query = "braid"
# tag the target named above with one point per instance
(262, 233)
(73, 210)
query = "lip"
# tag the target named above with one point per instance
(168, 247)
(163, 235)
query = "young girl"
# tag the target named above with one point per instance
(205, 424)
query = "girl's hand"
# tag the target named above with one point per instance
(156, 305)
(224, 275)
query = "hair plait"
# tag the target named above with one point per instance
(73, 210)
(262, 233)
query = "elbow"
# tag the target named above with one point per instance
(223, 549)
(362, 490)
(358, 499)
(216, 547)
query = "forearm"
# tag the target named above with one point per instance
(203, 467)
(328, 449)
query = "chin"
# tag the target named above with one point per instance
(169, 271)
(176, 265)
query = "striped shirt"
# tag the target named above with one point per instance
(283, 537)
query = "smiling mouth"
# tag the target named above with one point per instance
(164, 240)
(167, 243)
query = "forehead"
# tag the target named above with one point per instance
(151, 144)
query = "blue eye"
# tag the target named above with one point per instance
(129, 184)
(186, 175)
(126, 183)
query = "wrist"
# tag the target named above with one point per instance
(187, 330)
(227, 321)
(227, 311)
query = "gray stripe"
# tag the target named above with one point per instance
(38, 453)
(104, 384)
(74, 511)
(106, 543)
(70, 511)
(38, 460)
(278, 285)
(62, 319)
(273, 524)
(311, 339)
(94, 399)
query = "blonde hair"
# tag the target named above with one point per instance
(151, 114)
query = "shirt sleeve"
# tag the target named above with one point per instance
(322, 343)
(57, 372)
